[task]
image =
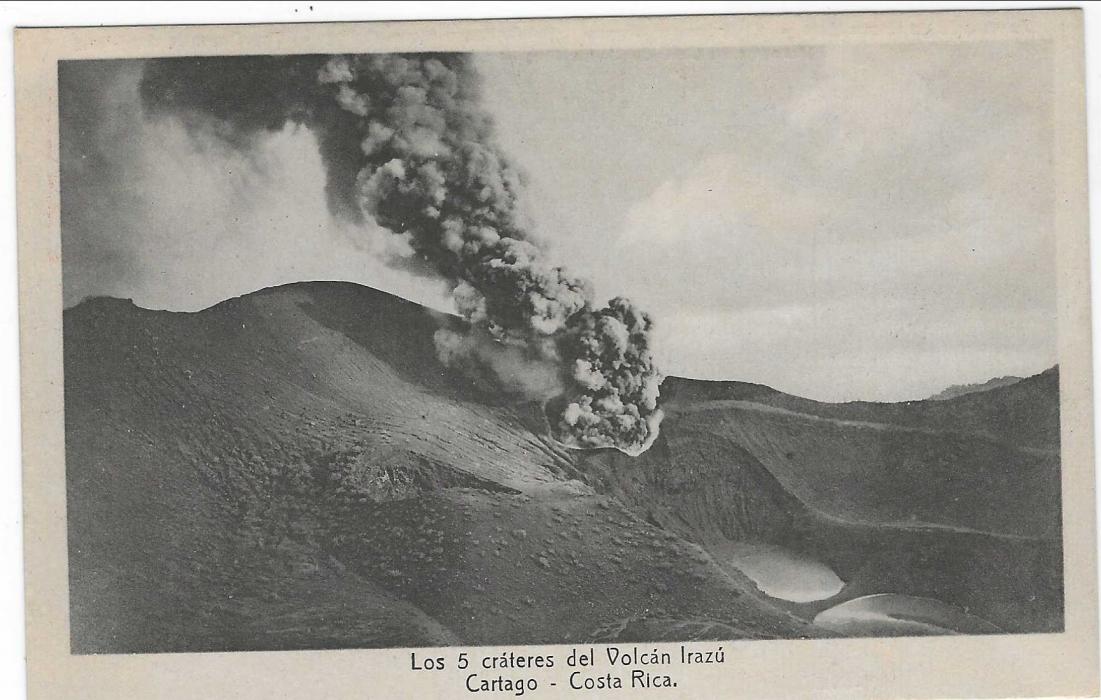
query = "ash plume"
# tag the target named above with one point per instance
(406, 142)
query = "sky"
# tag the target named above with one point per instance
(865, 222)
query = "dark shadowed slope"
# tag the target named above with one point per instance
(987, 461)
(956, 500)
(294, 469)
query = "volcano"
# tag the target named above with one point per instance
(295, 469)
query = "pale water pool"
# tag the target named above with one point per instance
(782, 573)
(892, 614)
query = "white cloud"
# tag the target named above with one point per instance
(879, 229)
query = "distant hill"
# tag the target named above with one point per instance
(294, 469)
(961, 389)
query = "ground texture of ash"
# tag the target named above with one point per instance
(294, 469)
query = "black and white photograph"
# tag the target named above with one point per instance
(428, 349)
(679, 347)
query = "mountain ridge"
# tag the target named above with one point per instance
(293, 468)
(718, 388)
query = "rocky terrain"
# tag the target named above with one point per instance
(294, 469)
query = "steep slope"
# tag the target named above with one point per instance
(986, 461)
(700, 484)
(950, 500)
(294, 469)
(905, 475)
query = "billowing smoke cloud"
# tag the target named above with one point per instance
(498, 365)
(406, 142)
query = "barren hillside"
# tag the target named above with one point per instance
(294, 469)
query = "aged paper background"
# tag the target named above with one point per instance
(995, 666)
